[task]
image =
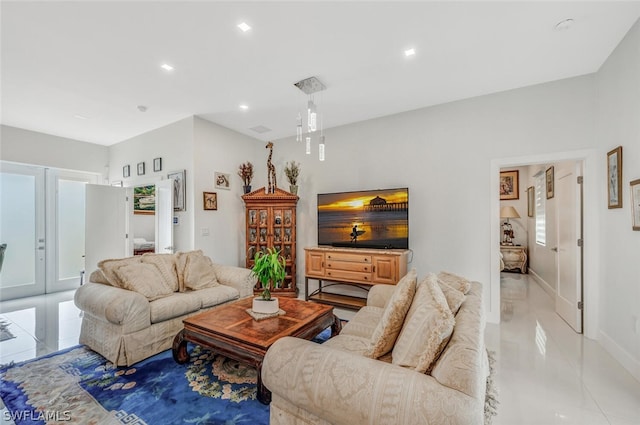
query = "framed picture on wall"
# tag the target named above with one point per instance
(179, 190)
(614, 178)
(550, 182)
(141, 168)
(531, 201)
(222, 180)
(126, 171)
(210, 200)
(144, 199)
(635, 204)
(509, 185)
(157, 164)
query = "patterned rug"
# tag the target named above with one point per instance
(78, 385)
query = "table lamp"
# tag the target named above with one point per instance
(508, 212)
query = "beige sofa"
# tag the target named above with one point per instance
(134, 307)
(339, 383)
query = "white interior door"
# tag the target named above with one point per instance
(65, 228)
(22, 229)
(164, 216)
(108, 214)
(569, 289)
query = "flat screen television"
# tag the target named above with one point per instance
(364, 219)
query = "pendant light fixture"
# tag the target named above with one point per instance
(310, 86)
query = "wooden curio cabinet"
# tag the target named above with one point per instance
(271, 223)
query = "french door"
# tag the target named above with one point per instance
(42, 225)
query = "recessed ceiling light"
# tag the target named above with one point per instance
(244, 26)
(166, 67)
(244, 107)
(564, 25)
(410, 52)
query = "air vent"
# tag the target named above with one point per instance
(260, 129)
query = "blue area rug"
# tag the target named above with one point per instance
(78, 385)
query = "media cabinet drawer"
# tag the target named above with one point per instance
(344, 265)
(348, 257)
(348, 276)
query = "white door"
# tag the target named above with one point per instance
(164, 216)
(22, 229)
(65, 228)
(569, 289)
(108, 214)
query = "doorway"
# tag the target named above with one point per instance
(42, 226)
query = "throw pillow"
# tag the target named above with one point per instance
(199, 273)
(454, 297)
(427, 328)
(181, 266)
(144, 279)
(109, 268)
(98, 277)
(458, 282)
(388, 328)
(166, 265)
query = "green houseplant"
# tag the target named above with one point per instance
(292, 171)
(245, 171)
(269, 268)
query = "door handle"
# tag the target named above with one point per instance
(554, 249)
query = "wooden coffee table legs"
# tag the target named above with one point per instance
(336, 326)
(179, 348)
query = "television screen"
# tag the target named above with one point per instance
(364, 219)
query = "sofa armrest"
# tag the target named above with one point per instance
(114, 305)
(379, 295)
(344, 388)
(236, 277)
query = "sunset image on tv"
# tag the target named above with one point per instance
(373, 218)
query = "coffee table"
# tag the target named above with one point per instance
(230, 331)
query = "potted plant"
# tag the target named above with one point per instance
(245, 171)
(269, 268)
(292, 171)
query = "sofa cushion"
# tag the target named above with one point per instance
(183, 260)
(97, 276)
(350, 343)
(199, 273)
(454, 297)
(427, 327)
(217, 295)
(166, 265)
(458, 282)
(364, 322)
(175, 305)
(110, 266)
(388, 328)
(144, 279)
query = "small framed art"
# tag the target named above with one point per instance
(157, 164)
(126, 171)
(141, 168)
(614, 178)
(222, 180)
(509, 185)
(179, 190)
(635, 204)
(550, 182)
(210, 200)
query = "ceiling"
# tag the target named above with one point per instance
(81, 69)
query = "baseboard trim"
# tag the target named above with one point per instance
(631, 364)
(543, 284)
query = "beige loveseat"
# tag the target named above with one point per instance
(431, 367)
(134, 307)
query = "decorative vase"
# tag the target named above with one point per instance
(265, 306)
(293, 189)
(247, 188)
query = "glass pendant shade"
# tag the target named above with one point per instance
(308, 145)
(321, 149)
(299, 129)
(311, 116)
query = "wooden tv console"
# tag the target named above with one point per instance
(355, 267)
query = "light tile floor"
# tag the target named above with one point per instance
(546, 373)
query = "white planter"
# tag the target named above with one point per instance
(265, 306)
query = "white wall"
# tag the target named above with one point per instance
(219, 149)
(30, 147)
(174, 144)
(618, 95)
